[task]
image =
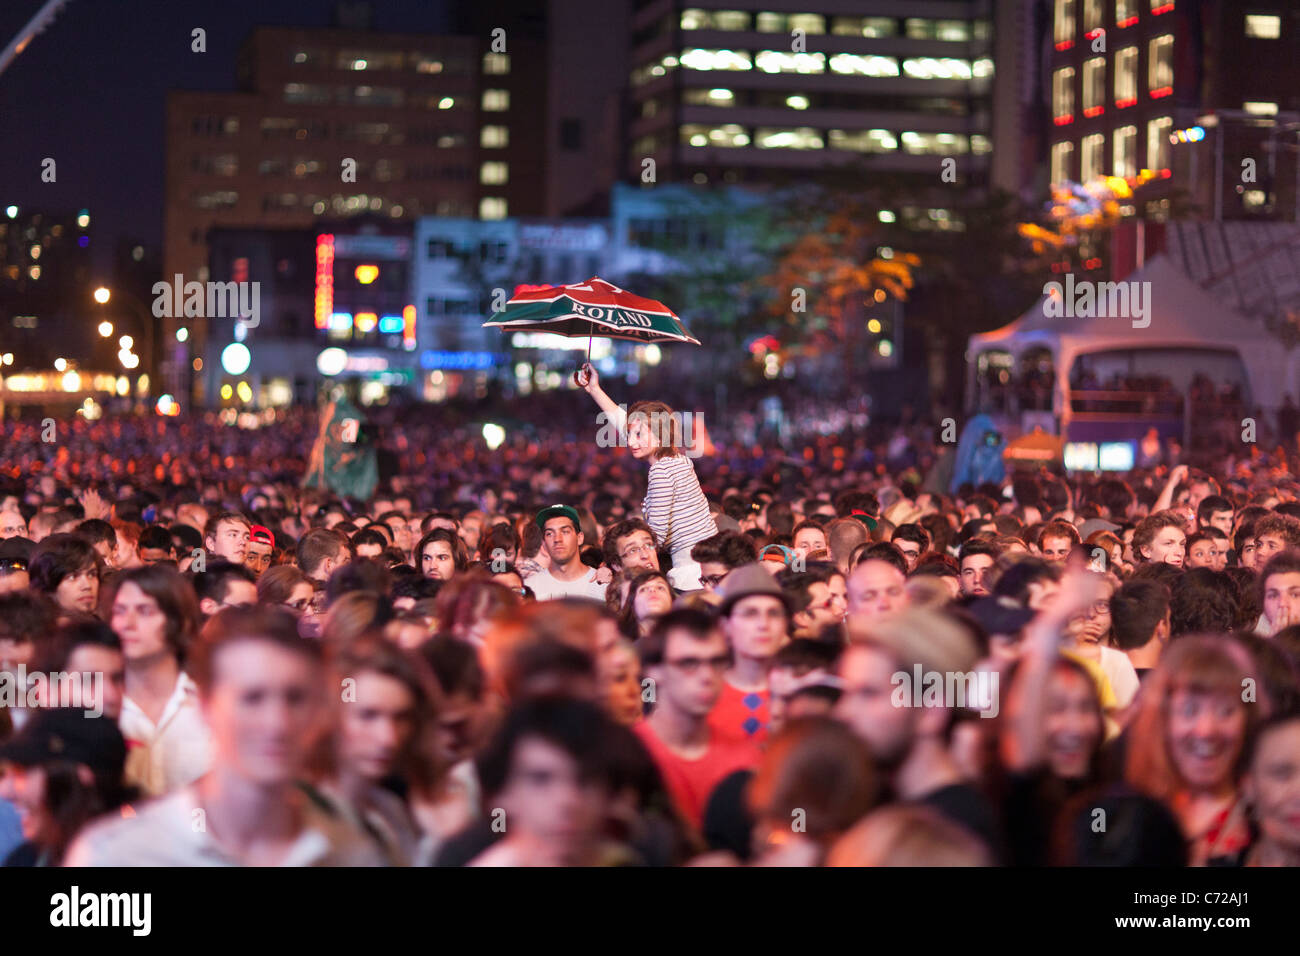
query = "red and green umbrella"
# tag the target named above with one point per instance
(594, 307)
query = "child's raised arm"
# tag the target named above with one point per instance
(590, 382)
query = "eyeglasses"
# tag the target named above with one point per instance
(711, 580)
(637, 549)
(690, 665)
(826, 604)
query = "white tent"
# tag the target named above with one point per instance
(1181, 315)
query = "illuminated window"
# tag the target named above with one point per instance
(1160, 66)
(863, 141)
(1254, 199)
(938, 68)
(803, 137)
(1158, 142)
(496, 101)
(952, 31)
(1259, 108)
(492, 207)
(1063, 24)
(980, 145)
(958, 31)
(944, 144)
(496, 64)
(696, 59)
(494, 174)
(873, 27)
(1161, 6)
(770, 23)
(494, 137)
(1091, 157)
(1063, 95)
(1126, 13)
(1124, 152)
(1092, 15)
(695, 19)
(727, 135)
(1062, 155)
(1126, 76)
(1263, 26)
(809, 23)
(714, 97)
(772, 61)
(853, 64)
(1094, 86)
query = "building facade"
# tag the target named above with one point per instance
(335, 123)
(1202, 94)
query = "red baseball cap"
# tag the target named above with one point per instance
(262, 534)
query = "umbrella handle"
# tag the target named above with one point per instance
(580, 377)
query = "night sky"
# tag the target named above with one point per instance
(91, 90)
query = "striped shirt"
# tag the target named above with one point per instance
(675, 507)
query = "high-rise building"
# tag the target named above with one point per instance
(44, 285)
(757, 92)
(333, 123)
(1202, 94)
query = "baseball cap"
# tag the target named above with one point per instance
(261, 534)
(67, 734)
(16, 554)
(865, 517)
(1000, 615)
(557, 511)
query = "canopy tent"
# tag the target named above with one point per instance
(1182, 316)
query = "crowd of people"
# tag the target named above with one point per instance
(545, 654)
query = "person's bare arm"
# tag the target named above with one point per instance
(1166, 498)
(590, 382)
(1079, 590)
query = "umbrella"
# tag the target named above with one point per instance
(594, 307)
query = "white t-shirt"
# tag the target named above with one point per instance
(547, 587)
(163, 833)
(1120, 672)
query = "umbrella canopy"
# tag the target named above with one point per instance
(594, 307)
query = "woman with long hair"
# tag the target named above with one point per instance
(1271, 789)
(1052, 727)
(1187, 743)
(649, 597)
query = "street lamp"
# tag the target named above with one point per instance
(129, 359)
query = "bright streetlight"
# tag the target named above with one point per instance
(105, 329)
(102, 295)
